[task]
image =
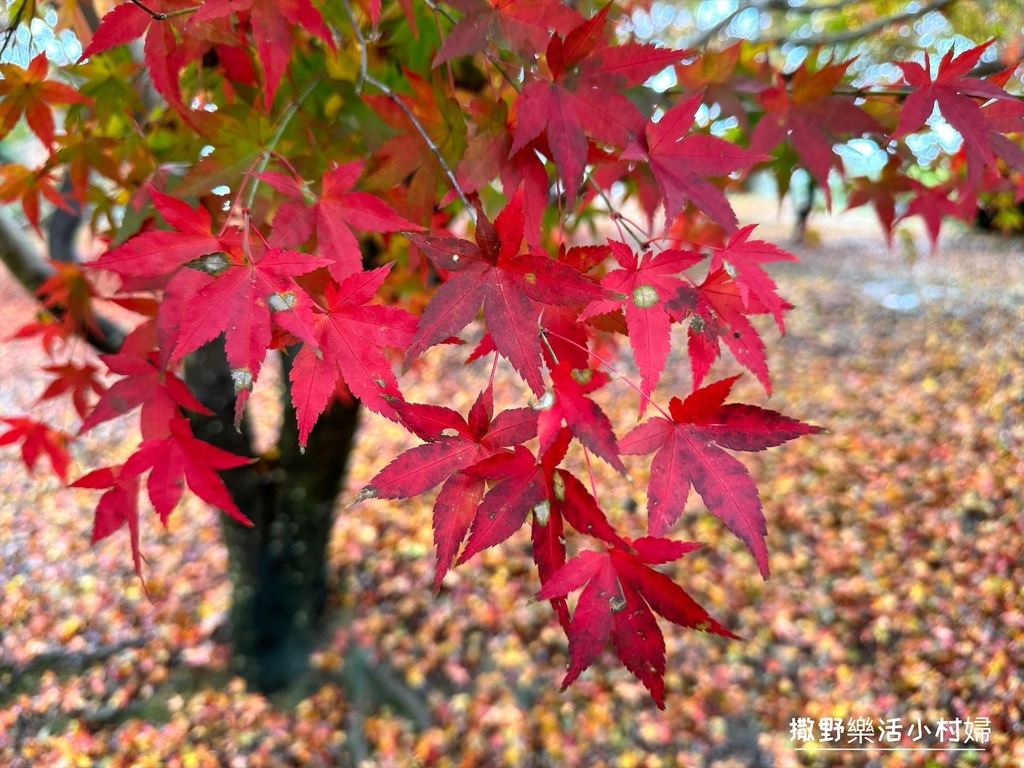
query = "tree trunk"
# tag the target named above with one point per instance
(278, 566)
(803, 204)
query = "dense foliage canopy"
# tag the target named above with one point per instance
(358, 183)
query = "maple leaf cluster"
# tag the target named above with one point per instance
(354, 182)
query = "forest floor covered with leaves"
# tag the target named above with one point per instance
(895, 540)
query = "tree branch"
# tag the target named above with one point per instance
(721, 24)
(63, 660)
(20, 254)
(23, 259)
(92, 18)
(808, 9)
(866, 30)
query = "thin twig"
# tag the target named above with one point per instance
(505, 75)
(366, 77)
(181, 12)
(435, 150)
(282, 125)
(439, 10)
(157, 16)
(362, 45)
(160, 15)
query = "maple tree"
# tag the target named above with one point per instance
(351, 186)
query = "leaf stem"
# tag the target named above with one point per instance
(621, 222)
(494, 370)
(551, 350)
(590, 472)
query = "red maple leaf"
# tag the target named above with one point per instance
(160, 253)
(69, 295)
(159, 391)
(332, 215)
(38, 437)
(453, 444)
(272, 22)
(567, 340)
(47, 328)
(585, 95)
(568, 501)
(620, 597)
(690, 452)
(122, 24)
(648, 283)
(1006, 117)
(681, 163)
(351, 336)
(742, 258)
(521, 26)
(521, 483)
(518, 485)
(465, 455)
(955, 92)
(935, 203)
(27, 92)
(881, 193)
(118, 506)
(168, 47)
(176, 459)
(240, 295)
(525, 169)
(78, 379)
(810, 119)
(29, 186)
(718, 313)
(494, 273)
